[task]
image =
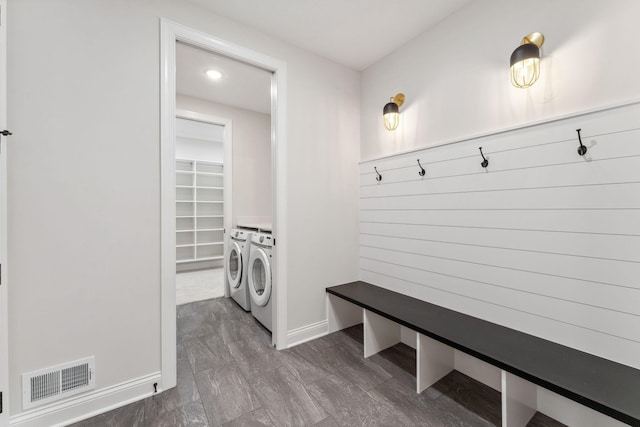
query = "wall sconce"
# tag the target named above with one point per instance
(525, 61)
(391, 111)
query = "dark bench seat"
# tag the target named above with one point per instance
(603, 385)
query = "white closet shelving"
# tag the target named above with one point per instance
(199, 211)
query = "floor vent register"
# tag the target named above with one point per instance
(58, 382)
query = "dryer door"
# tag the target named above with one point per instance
(234, 265)
(260, 277)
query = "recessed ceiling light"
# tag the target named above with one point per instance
(214, 74)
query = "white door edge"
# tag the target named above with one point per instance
(4, 306)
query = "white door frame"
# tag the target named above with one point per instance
(227, 141)
(4, 307)
(170, 32)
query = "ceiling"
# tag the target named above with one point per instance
(241, 86)
(355, 33)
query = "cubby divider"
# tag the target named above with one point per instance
(519, 400)
(379, 333)
(434, 360)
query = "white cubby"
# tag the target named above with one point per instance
(434, 359)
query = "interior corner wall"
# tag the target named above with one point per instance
(84, 180)
(456, 76)
(252, 195)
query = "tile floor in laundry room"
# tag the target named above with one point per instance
(229, 375)
(199, 285)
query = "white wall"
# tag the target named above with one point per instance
(456, 76)
(198, 149)
(252, 195)
(199, 141)
(192, 129)
(83, 189)
(84, 180)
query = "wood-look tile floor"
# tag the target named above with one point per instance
(229, 375)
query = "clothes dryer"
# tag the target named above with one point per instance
(260, 279)
(237, 266)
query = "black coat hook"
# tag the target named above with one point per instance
(379, 177)
(421, 172)
(485, 162)
(582, 150)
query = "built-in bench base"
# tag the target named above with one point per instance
(532, 374)
(477, 403)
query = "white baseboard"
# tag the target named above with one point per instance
(80, 407)
(307, 333)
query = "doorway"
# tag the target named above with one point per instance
(170, 34)
(201, 169)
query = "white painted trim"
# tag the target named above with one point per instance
(279, 208)
(4, 306)
(78, 408)
(307, 333)
(168, 345)
(503, 130)
(227, 142)
(170, 33)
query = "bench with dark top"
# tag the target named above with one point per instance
(603, 385)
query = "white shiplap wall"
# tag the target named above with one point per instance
(544, 241)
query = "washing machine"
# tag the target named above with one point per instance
(237, 266)
(260, 283)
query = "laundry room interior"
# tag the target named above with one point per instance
(223, 194)
(335, 213)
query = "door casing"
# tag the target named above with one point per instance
(170, 33)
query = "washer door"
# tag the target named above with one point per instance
(234, 265)
(260, 277)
